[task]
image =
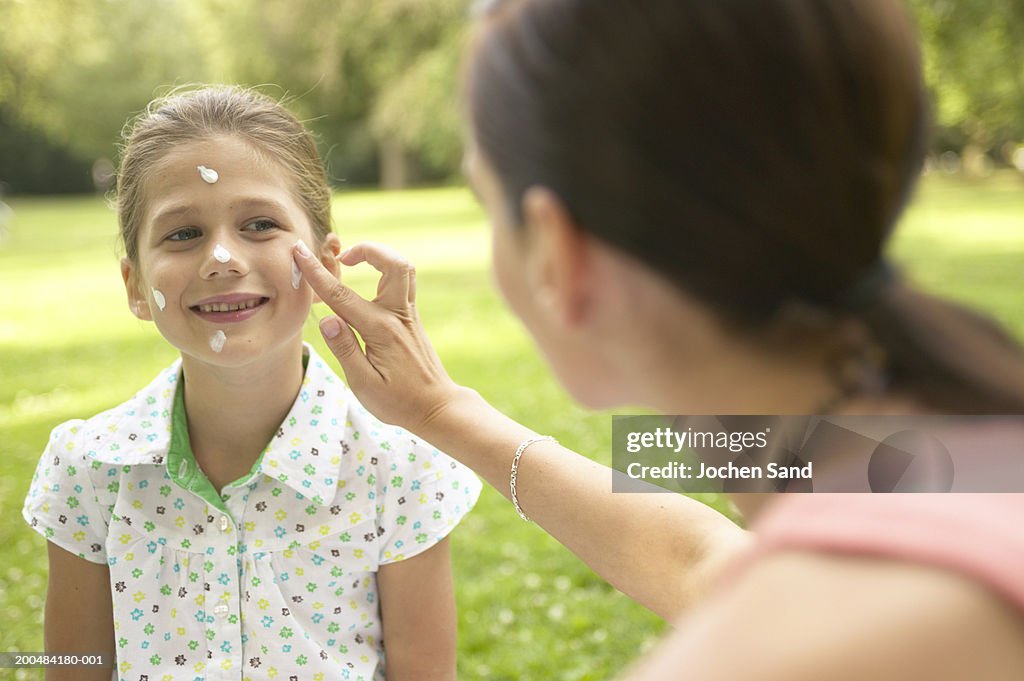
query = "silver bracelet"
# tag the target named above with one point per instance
(515, 468)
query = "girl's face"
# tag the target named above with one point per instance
(215, 270)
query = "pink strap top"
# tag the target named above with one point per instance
(980, 536)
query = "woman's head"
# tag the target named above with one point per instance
(756, 154)
(751, 152)
(220, 111)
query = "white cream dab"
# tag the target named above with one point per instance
(296, 275)
(209, 175)
(217, 341)
(221, 254)
(159, 299)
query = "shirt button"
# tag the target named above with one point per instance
(221, 610)
(225, 523)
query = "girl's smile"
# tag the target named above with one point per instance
(227, 309)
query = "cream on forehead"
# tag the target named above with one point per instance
(159, 299)
(209, 175)
(217, 341)
(221, 254)
(296, 274)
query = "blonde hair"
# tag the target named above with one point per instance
(187, 116)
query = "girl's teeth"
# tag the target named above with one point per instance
(229, 307)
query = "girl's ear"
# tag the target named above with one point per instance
(138, 301)
(329, 251)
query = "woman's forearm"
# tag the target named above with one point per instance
(662, 550)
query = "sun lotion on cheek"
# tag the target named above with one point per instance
(296, 275)
(159, 299)
(217, 341)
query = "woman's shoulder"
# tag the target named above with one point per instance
(808, 615)
(975, 536)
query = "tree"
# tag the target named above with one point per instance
(974, 64)
(72, 71)
(375, 79)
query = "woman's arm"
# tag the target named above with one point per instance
(79, 615)
(417, 603)
(661, 549)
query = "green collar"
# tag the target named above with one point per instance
(181, 460)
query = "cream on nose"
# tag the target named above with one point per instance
(221, 254)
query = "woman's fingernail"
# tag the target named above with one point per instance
(344, 253)
(303, 249)
(330, 327)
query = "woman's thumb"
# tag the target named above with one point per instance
(342, 342)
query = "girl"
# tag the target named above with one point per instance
(242, 517)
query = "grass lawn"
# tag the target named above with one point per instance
(528, 609)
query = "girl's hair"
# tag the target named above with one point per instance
(190, 116)
(755, 153)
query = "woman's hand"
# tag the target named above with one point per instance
(398, 376)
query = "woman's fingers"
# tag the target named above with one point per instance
(342, 342)
(345, 302)
(397, 287)
(340, 337)
(396, 374)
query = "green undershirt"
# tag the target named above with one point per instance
(181, 460)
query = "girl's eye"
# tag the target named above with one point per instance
(262, 225)
(185, 234)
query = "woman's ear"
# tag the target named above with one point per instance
(560, 259)
(138, 301)
(329, 251)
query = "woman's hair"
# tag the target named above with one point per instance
(190, 116)
(755, 153)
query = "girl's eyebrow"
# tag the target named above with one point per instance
(173, 210)
(256, 202)
(260, 202)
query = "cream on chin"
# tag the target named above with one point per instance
(217, 341)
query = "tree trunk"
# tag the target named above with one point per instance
(394, 165)
(974, 159)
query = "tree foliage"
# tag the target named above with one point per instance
(364, 75)
(375, 79)
(974, 63)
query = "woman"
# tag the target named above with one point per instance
(689, 202)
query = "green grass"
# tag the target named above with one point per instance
(528, 609)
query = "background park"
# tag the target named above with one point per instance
(377, 82)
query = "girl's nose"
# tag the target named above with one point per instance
(223, 260)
